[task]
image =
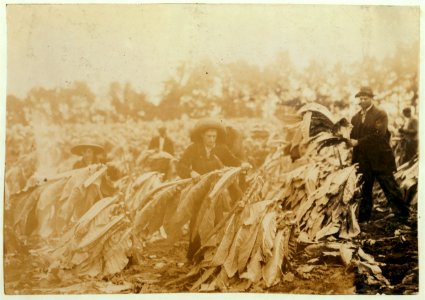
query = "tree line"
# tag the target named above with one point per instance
(238, 89)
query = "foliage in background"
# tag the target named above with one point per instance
(236, 89)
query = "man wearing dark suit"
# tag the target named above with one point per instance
(162, 142)
(372, 151)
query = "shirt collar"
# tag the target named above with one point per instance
(209, 149)
(367, 109)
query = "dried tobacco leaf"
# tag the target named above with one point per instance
(224, 181)
(190, 203)
(245, 250)
(272, 270)
(254, 270)
(231, 263)
(143, 185)
(151, 217)
(268, 228)
(225, 244)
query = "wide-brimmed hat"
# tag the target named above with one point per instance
(80, 148)
(365, 91)
(257, 134)
(259, 131)
(205, 124)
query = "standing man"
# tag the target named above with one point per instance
(259, 150)
(372, 151)
(162, 142)
(409, 136)
(207, 153)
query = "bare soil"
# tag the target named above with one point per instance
(162, 267)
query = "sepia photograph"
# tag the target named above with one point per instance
(199, 148)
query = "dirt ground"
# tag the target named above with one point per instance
(397, 248)
(162, 267)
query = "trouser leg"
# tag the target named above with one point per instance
(242, 182)
(411, 149)
(393, 194)
(366, 203)
(403, 146)
(194, 238)
(235, 192)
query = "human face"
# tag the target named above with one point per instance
(365, 101)
(162, 131)
(209, 137)
(88, 156)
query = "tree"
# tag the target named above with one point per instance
(193, 90)
(130, 104)
(15, 113)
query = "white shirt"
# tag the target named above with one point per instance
(208, 151)
(364, 112)
(161, 143)
(406, 123)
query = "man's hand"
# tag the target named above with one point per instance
(353, 142)
(246, 166)
(195, 176)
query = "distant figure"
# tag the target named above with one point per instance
(409, 136)
(236, 145)
(235, 142)
(372, 151)
(90, 154)
(162, 142)
(259, 149)
(95, 154)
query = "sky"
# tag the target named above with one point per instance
(55, 45)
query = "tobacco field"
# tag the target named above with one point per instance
(294, 228)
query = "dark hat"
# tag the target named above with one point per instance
(80, 148)
(205, 124)
(407, 110)
(365, 91)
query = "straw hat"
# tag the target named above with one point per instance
(259, 132)
(205, 124)
(80, 148)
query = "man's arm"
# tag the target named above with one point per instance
(228, 158)
(353, 133)
(152, 143)
(171, 146)
(412, 127)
